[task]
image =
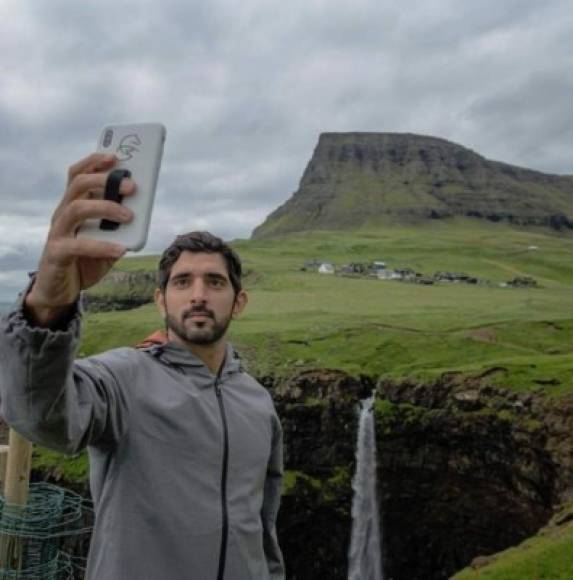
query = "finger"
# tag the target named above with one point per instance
(78, 211)
(93, 163)
(90, 186)
(64, 250)
(89, 248)
(85, 183)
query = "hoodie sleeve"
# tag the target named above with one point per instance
(48, 398)
(271, 503)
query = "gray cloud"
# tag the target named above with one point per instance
(245, 89)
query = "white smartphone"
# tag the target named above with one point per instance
(139, 149)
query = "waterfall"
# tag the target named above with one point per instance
(364, 556)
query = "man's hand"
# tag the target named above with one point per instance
(70, 264)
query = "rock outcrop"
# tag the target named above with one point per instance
(121, 291)
(463, 471)
(362, 179)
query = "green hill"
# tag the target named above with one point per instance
(369, 179)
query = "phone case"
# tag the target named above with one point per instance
(139, 149)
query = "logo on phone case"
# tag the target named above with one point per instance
(128, 147)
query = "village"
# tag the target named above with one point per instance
(378, 269)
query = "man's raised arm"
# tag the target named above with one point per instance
(42, 395)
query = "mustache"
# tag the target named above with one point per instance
(198, 310)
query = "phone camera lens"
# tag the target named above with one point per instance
(107, 138)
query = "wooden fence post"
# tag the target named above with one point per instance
(16, 488)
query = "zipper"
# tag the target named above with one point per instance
(224, 537)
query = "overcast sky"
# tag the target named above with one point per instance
(245, 87)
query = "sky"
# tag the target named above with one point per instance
(245, 87)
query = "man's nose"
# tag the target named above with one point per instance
(198, 291)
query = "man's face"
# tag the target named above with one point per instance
(199, 300)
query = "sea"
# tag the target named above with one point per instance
(5, 306)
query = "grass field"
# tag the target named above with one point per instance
(298, 320)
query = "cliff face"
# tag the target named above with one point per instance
(121, 291)
(357, 179)
(319, 419)
(463, 471)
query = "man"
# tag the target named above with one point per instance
(185, 448)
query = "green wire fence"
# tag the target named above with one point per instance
(34, 538)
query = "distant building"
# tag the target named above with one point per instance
(326, 268)
(312, 265)
(353, 269)
(455, 277)
(377, 266)
(387, 274)
(523, 282)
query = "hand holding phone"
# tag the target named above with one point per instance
(87, 236)
(138, 149)
(70, 264)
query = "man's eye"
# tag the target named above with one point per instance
(217, 282)
(180, 282)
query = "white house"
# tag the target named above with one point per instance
(388, 275)
(326, 268)
(378, 265)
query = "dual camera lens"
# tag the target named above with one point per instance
(107, 138)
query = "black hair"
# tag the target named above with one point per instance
(200, 242)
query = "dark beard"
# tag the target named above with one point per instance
(205, 334)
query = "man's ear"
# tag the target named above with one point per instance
(241, 300)
(160, 301)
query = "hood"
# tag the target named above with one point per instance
(155, 338)
(173, 354)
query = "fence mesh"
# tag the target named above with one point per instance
(37, 541)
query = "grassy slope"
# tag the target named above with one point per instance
(301, 319)
(547, 556)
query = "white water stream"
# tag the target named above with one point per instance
(364, 556)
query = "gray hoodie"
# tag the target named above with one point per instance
(185, 468)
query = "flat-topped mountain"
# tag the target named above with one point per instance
(365, 179)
